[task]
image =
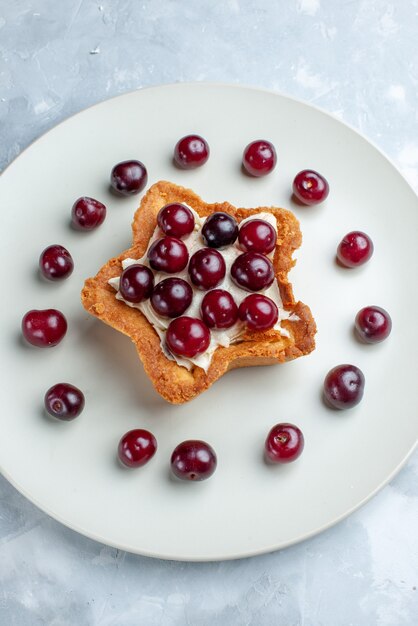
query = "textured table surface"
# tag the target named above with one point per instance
(357, 59)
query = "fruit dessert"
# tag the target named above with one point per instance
(204, 289)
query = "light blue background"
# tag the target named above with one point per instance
(357, 59)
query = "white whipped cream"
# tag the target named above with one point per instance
(224, 337)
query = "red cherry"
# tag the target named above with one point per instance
(220, 229)
(128, 177)
(284, 443)
(168, 255)
(171, 297)
(56, 263)
(310, 187)
(87, 213)
(257, 236)
(218, 309)
(44, 328)
(137, 447)
(64, 401)
(191, 151)
(259, 158)
(176, 220)
(355, 249)
(136, 283)
(259, 312)
(373, 324)
(207, 268)
(187, 337)
(344, 386)
(252, 271)
(193, 460)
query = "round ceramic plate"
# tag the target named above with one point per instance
(69, 469)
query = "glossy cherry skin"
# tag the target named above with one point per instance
(193, 460)
(310, 187)
(168, 254)
(176, 220)
(187, 337)
(252, 271)
(284, 443)
(87, 213)
(64, 401)
(171, 297)
(258, 312)
(218, 309)
(257, 236)
(220, 229)
(44, 328)
(56, 263)
(136, 283)
(191, 151)
(137, 447)
(207, 268)
(344, 386)
(373, 324)
(259, 158)
(128, 177)
(355, 249)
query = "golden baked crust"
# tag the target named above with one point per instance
(176, 384)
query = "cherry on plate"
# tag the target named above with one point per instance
(257, 236)
(187, 337)
(207, 268)
(373, 324)
(176, 220)
(252, 271)
(355, 249)
(259, 158)
(218, 309)
(344, 386)
(310, 187)
(87, 213)
(191, 151)
(128, 177)
(56, 263)
(44, 328)
(64, 401)
(220, 229)
(136, 283)
(137, 447)
(168, 254)
(258, 312)
(171, 297)
(284, 443)
(193, 460)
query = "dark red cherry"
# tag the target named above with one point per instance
(252, 271)
(284, 443)
(136, 283)
(344, 386)
(56, 263)
(257, 236)
(207, 268)
(220, 229)
(355, 249)
(176, 220)
(87, 213)
(259, 158)
(310, 187)
(218, 309)
(128, 177)
(171, 297)
(193, 460)
(137, 447)
(44, 328)
(191, 151)
(258, 312)
(168, 255)
(373, 324)
(64, 401)
(187, 337)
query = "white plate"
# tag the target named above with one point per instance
(69, 469)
